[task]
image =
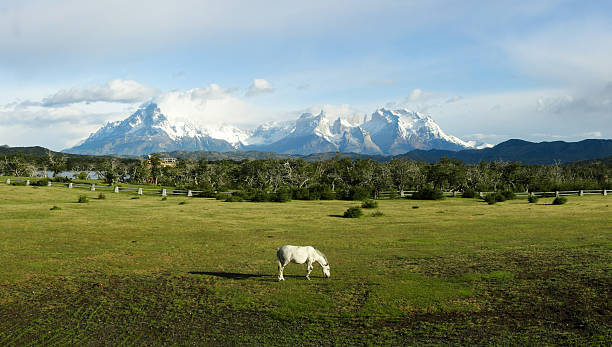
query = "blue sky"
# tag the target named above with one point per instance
(489, 71)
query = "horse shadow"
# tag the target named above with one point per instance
(238, 276)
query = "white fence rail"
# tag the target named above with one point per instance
(190, 193)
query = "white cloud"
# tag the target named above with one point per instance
(208, 106)
(122, 91)
(421, 95)
(260, 86)
(53, 127)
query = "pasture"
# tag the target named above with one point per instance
(123, 271)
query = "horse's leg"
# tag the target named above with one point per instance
(308, 270)
(280, 271)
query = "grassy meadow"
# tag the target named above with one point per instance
(125, 271)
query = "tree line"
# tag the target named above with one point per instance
(342, 177)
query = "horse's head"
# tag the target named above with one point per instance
(326, 270)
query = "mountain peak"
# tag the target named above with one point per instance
(386, 131)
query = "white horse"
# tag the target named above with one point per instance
(300, 255)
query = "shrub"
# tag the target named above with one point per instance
(369, 203)
(469, 193)
(490, 198)
(55, 208)
(82, 175)
(83, 199)
(508, 195)
(533, 199)
(377, 213)
(260, 195)
(40, 183)
(282, 195)
(222, 196)
(327, 194)
(353, 212)
(428, 194)
(234, 198)
(559, 200)
(101, 196)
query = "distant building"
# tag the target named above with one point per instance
(164, 161)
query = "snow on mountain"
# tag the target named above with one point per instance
(383, 132)
(400, 131)
(269, 132)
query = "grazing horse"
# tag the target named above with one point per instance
(300, 255)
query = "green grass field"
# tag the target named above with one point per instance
(123, 271)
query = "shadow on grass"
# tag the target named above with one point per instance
(237, 276)
(335, 215)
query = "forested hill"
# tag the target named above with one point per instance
(524, 151)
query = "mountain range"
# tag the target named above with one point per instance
(384, 132)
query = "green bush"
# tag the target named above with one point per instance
(222, 196)
(260, 195)
(532, 199)
(282, 194)
(491, 198)
(377, 213)
(369, 203)
(83, 199)
(353, 212)
(234, 198)
(55, 208)
(559, 200)
(101, 196)
(428, 194)
(508, 195)
(469, 193)
(327, 194)
(82, 175)
(40, 183)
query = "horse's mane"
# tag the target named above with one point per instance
(322, 255)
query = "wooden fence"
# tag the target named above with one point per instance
(405, 193)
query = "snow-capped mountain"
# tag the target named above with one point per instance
(386, 132)
(400, 131)
(148, 131)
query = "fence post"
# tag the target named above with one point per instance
(401, 193)
(116, 190)
(27, 182)
(49, 184)
(556, 193)
(8, 181)
(93, 187)
(139, 191)
(189, 193)
(605, 192)
(581, 192)
(454, 193)
(164, 192)
(70, 185)
(480, 194)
